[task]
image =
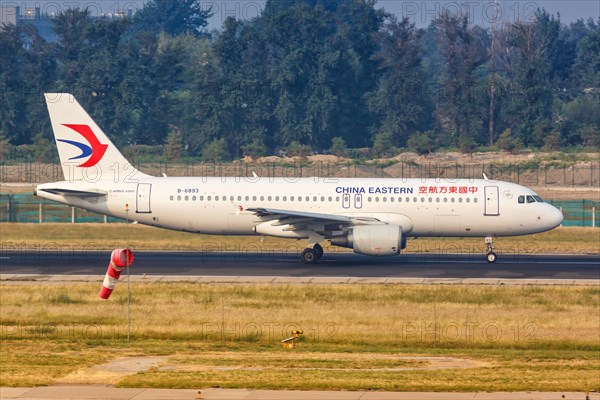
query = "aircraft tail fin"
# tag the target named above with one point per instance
(86, 153)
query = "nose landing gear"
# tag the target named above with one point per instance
(489, 244)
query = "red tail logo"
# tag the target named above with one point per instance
(96, 149)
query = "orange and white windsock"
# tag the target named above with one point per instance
(119, 260)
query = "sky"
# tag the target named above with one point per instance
(421, 12)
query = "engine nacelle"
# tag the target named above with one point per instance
(373, 240)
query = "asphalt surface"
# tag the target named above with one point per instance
(508, 266)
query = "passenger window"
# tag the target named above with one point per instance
(262, 198)
(337, 199)
(269, 198)
(431, 199)
(475, 200)
(422, 199)
(247, 198)
(194, 198)
(239, 198)
(377, 199)
(322, 199)
(468, 199)
(231, 198)
(460, 199)
(201, 198)
(530, 199)
(171, 198)
(521, 199)
(216, 198)
(284, 198)
(330, 199)
(276, 198)
(315, 199)
(253, 198)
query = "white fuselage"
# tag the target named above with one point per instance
(423, 207)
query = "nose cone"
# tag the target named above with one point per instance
(555, 217)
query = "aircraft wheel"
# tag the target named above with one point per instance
(491, 257)
(309, 256)
(318, 251)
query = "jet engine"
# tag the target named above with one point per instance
(373, 240)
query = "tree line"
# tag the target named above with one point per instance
(305, 76)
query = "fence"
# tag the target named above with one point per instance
(32, 209)
(527, 173)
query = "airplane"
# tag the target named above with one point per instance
(370, 216)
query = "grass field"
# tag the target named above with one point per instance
(366, 337)
(109, 236)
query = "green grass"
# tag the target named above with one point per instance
(109, 236)
(356, 337)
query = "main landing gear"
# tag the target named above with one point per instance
(489, 244)
(312, 255)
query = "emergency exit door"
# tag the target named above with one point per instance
(143, 198)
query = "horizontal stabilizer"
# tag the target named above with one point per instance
(75, 193)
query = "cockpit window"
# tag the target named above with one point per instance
(521, 199)
(530, 199)
(538, 199)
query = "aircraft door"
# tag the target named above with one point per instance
(143, 198)
(491, 201)
(346, 200)
(358, 201)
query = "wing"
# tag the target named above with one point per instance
(288, 223)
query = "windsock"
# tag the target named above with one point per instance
(119, 259)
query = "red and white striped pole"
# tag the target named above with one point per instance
(119, 260)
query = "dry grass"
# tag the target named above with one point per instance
(108, 236)
(519, 338)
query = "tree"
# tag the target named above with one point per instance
(508, 142)
(174, 146)
(460, 111)
(73, 28)
(383, 145)
(5, 147)
(338, 146)
(422, 142)
(532, 95)
(215, 151)
(587, 64)
(172, 17)
(13, 108)
(399, 102)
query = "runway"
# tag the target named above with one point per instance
(426, 265)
